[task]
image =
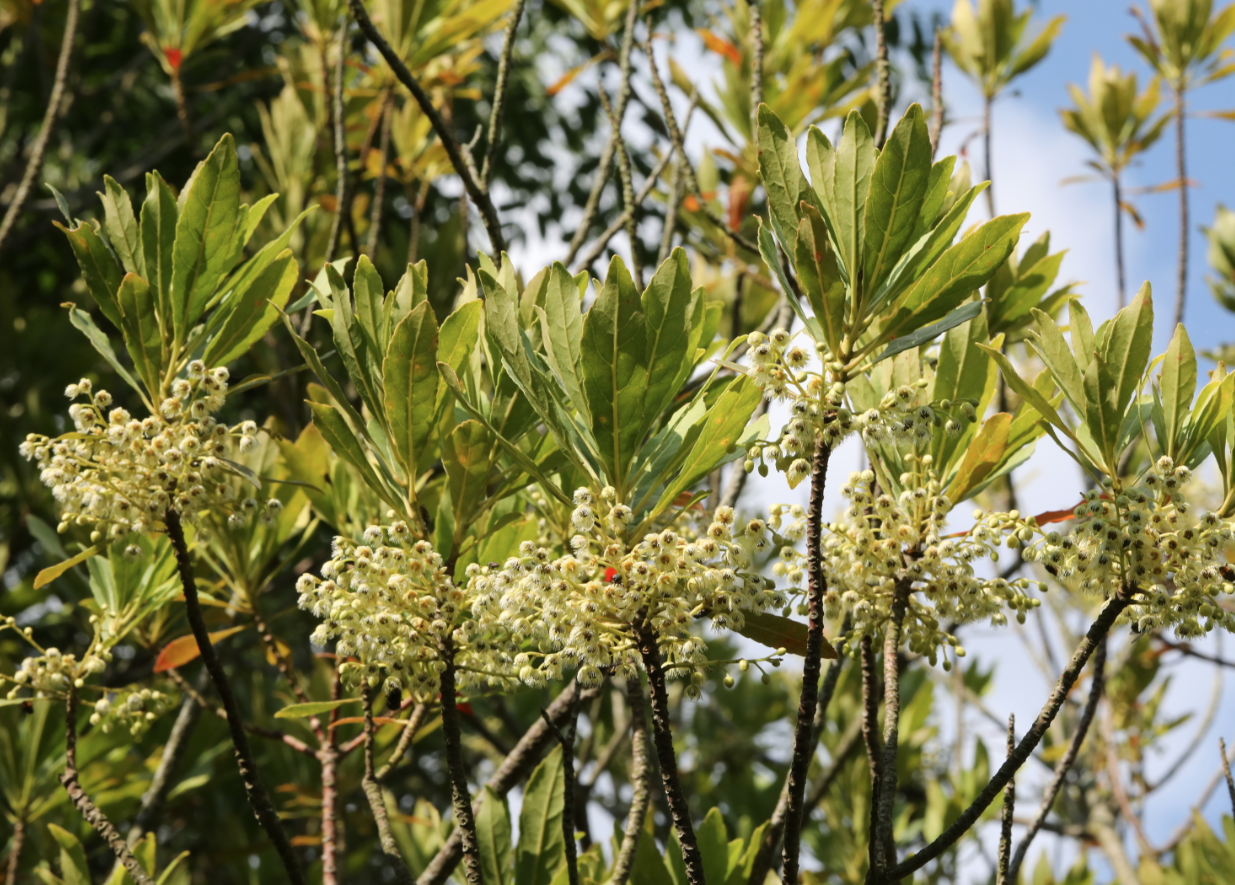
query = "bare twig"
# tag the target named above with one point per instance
(259, 799)
(499, 96)
(1181, 174)
(986, 154)
(15, 846)
(756, 66)
(272, 734)
(340, 148)
(1119, 241)
(566, 739)
(1009, 809)
(81, 801)
(631, 206)
(465, 820)
(662, 730)
(883, 76)
(462, 168)
(328, 759)
(936, 91)
(870, 738)
(640, 781)
(377, 802)
(414, 722)
(1093, 638)
(1226, 770)
(386, 114)
(1117, 786)
(885, 819)
(38, 150)
(804, 738)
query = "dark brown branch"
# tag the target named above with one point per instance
(1092, 640)
(1186, 649)
(1097, 686)
(461, 797)
(870, 738)
(462, 168)
(499, 95)
(805, 737)
(377, 803)
(662, 730)
(272, 734)
(18, 841)
(631, 206)
(38, 150)
(82, 803)
(328, 758)
(522, 759)
(341, 201)
(259, 799)
(640, 781)
(845, 748)
(936, 91)
(1009, 809)
(885, 844)
(883, 76)
(566, 739)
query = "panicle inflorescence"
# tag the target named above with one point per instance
(1146, 539)
(583, 610)
(132, 711)
(120, 475)
(390, 603)
(817, 407)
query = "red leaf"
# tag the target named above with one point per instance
(721, 46)
(180, 651)
(174, 58)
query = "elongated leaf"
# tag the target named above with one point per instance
(367, 289)
(254, 310)
(465, 455)
(1177, 384)
(1047, 339)
(204, 232)
(781, 175)
(722, 428)
(158, 232)
(335, 431)
(541, 849)
(73, 865)
(82, 321)
(929, 333)
(312, 708)
(615, 370)
(854, 165)
(982, 457)
(98, 268)
(411, 378)
(121, 226)
(181, 651)
(1103, 417)
(668, 304)
(493, 834)
(140, 325)
(49, 574)
(897, 189)
(562, 323)
(820, 277)
(1125, 343)
(1025, 391)
(775, 632)
(771, 257)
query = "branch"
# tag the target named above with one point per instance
(870, 739)
(662, 730)
(82, 803)
(846, 747)
(19, 840)
(1117, 787)
(499, 96)
(885, 841)
(386, 114)
(513, 770)
(936, 91)
(461, 798)
(756, 67)
(462, 168)
(676, 192)
(259, 799)
(1093, 639)
(340, 149)
(626, 177)
(258, 731)
(640, 781)
(883, 76)
(405, 740)
(39, 149)
(373, 792)
(567, 741)
(1226, 769)
(1009, 809)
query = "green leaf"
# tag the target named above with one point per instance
(770, 253)
(158, 234)
(541, 847)
(1103, 416)
(411, 378)
(493, 834)
(981, 457)
(82, 321)
(1025, 391)
(368, 290)
(49, 574)
(668, 305)
(897, 189)
(253, 310)
(74, 869)
(121, 226)
(1177, 382)
(649, 867)
(1048, 341)
(776, 631)
(962, 314)
(465, 455)
(140, 325)
(334, 430)
(312, 708)
(713, 842)
(615, 370)
(562, 322)
(204, 232)
(98, 268)
(1125, 343)
(820, 278)
(781, 175)
(852, 170)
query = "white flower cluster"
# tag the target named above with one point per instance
(881, 542)
(817, 405)
(1143, 537)
(582, 610)
(121, 475)
(390, 603)
(52, 673)
(133, 712)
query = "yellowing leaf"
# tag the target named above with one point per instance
(49, 574)
(313, 708)
(982, 456)
(181, 651)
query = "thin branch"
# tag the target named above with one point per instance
(883, 76)
(885, 843)
(522, 759)
(1009, 809)
(566, 739)
(465, 819)
(1226, 770)
(259, 799)
(662, 730)
(272, 734)
(1181, 175)
(1119, 241)
(1186, 649)
(870, 739)
(328, 758)
(386, 114)
(38, 150)
(19, 840)
(1183, 828)
(341, 201)
(377, 802)
(499, 96)
(986, 154)
(756, 67)
(845, 748)
(462, 168)
(1092, 640)
(81, 801)
(936, 91)
(677, 190)
(1117, 786)
(640, 781)
(631, 206)
(804, 736)
(414, 722)
(606, 158)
